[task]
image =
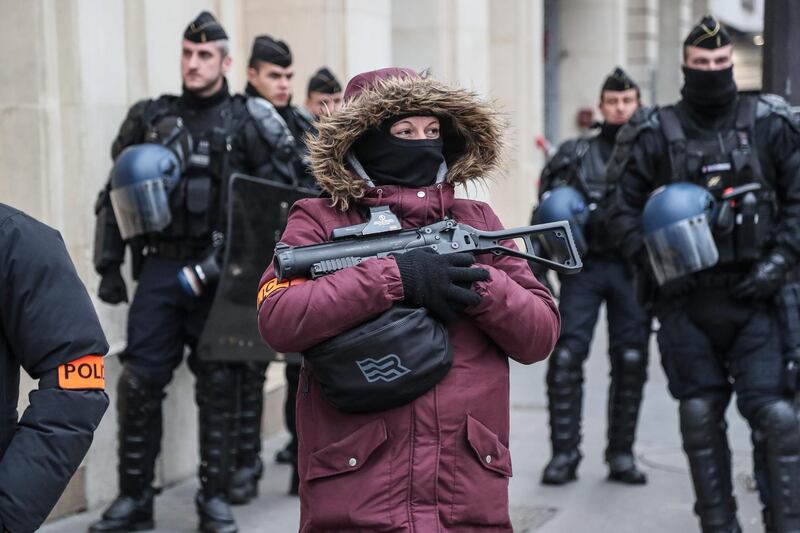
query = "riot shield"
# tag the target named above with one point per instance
(257, 210)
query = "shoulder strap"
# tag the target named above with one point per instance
(676, 140)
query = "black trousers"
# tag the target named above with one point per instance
(162, 321)
(713, 345)
(582, 295)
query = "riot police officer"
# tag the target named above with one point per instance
(210, 135)
(710, 264)
(575, 178)
(268, 91)
(324, 93)
(49, 328)
(269, 76)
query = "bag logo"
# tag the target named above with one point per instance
(386, 369)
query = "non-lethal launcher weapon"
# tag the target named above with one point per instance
(382, 235)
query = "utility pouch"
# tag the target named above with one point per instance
(199, 205)
(747, 245)
(383, 363)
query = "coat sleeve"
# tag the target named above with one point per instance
(294, 317)
(48, 320)
(516, 311)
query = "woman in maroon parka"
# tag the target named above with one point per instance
(441, 462)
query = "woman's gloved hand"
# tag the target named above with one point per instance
(442, 283)
(112, 287)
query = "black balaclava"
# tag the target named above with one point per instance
(708, 92)
(388, 160)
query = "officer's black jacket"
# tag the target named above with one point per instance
(250, 154)
(641, 164)
(581, 163)
(46, 320)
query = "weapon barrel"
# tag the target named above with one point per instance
(292, 262)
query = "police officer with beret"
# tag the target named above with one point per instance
(579, 169)
(706, 203)
(270, 76)
(208, 134)
(49, 328)
(324, 94)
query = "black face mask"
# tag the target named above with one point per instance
(392, 161)
(709, 92)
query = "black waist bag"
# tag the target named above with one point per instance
(384, 363)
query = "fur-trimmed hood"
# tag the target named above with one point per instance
(471, 130)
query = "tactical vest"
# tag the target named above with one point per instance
(720, 164)
(197, 202)
(9, 394)
(590, 171)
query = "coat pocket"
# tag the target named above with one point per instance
(490, 452)
(346, 485)
(482, 467)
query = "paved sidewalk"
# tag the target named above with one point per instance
(592, 504)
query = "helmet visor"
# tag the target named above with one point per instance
(681, 248)
(141, 208)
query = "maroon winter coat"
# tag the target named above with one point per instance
(440, 463)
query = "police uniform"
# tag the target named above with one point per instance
(581, 164)
(719, 327)
(296, 122)
(163, 318)
(49, 328)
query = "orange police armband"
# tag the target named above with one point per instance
(87, 372)
(273, 285)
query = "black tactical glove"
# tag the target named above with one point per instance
(112, 287)
(439, 282)
(766, 277)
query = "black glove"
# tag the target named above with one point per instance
(439, 282)
(766, 277)
(112, 287)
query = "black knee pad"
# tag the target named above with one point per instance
(630, 362)
(565, 358)
(700, 419)
(219, 378)
(563, 365)
(777, 419)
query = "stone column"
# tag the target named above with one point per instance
(642, 46)
(516, 68)
(592, 42)
(674, 22)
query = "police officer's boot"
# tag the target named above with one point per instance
(139, 411)
(249, 468)
(565, 396)
(778, 424)
(215, 392)
(705, 442)
(628, 375)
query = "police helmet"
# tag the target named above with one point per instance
(564, 203)
(677, 231)
(141, 180)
